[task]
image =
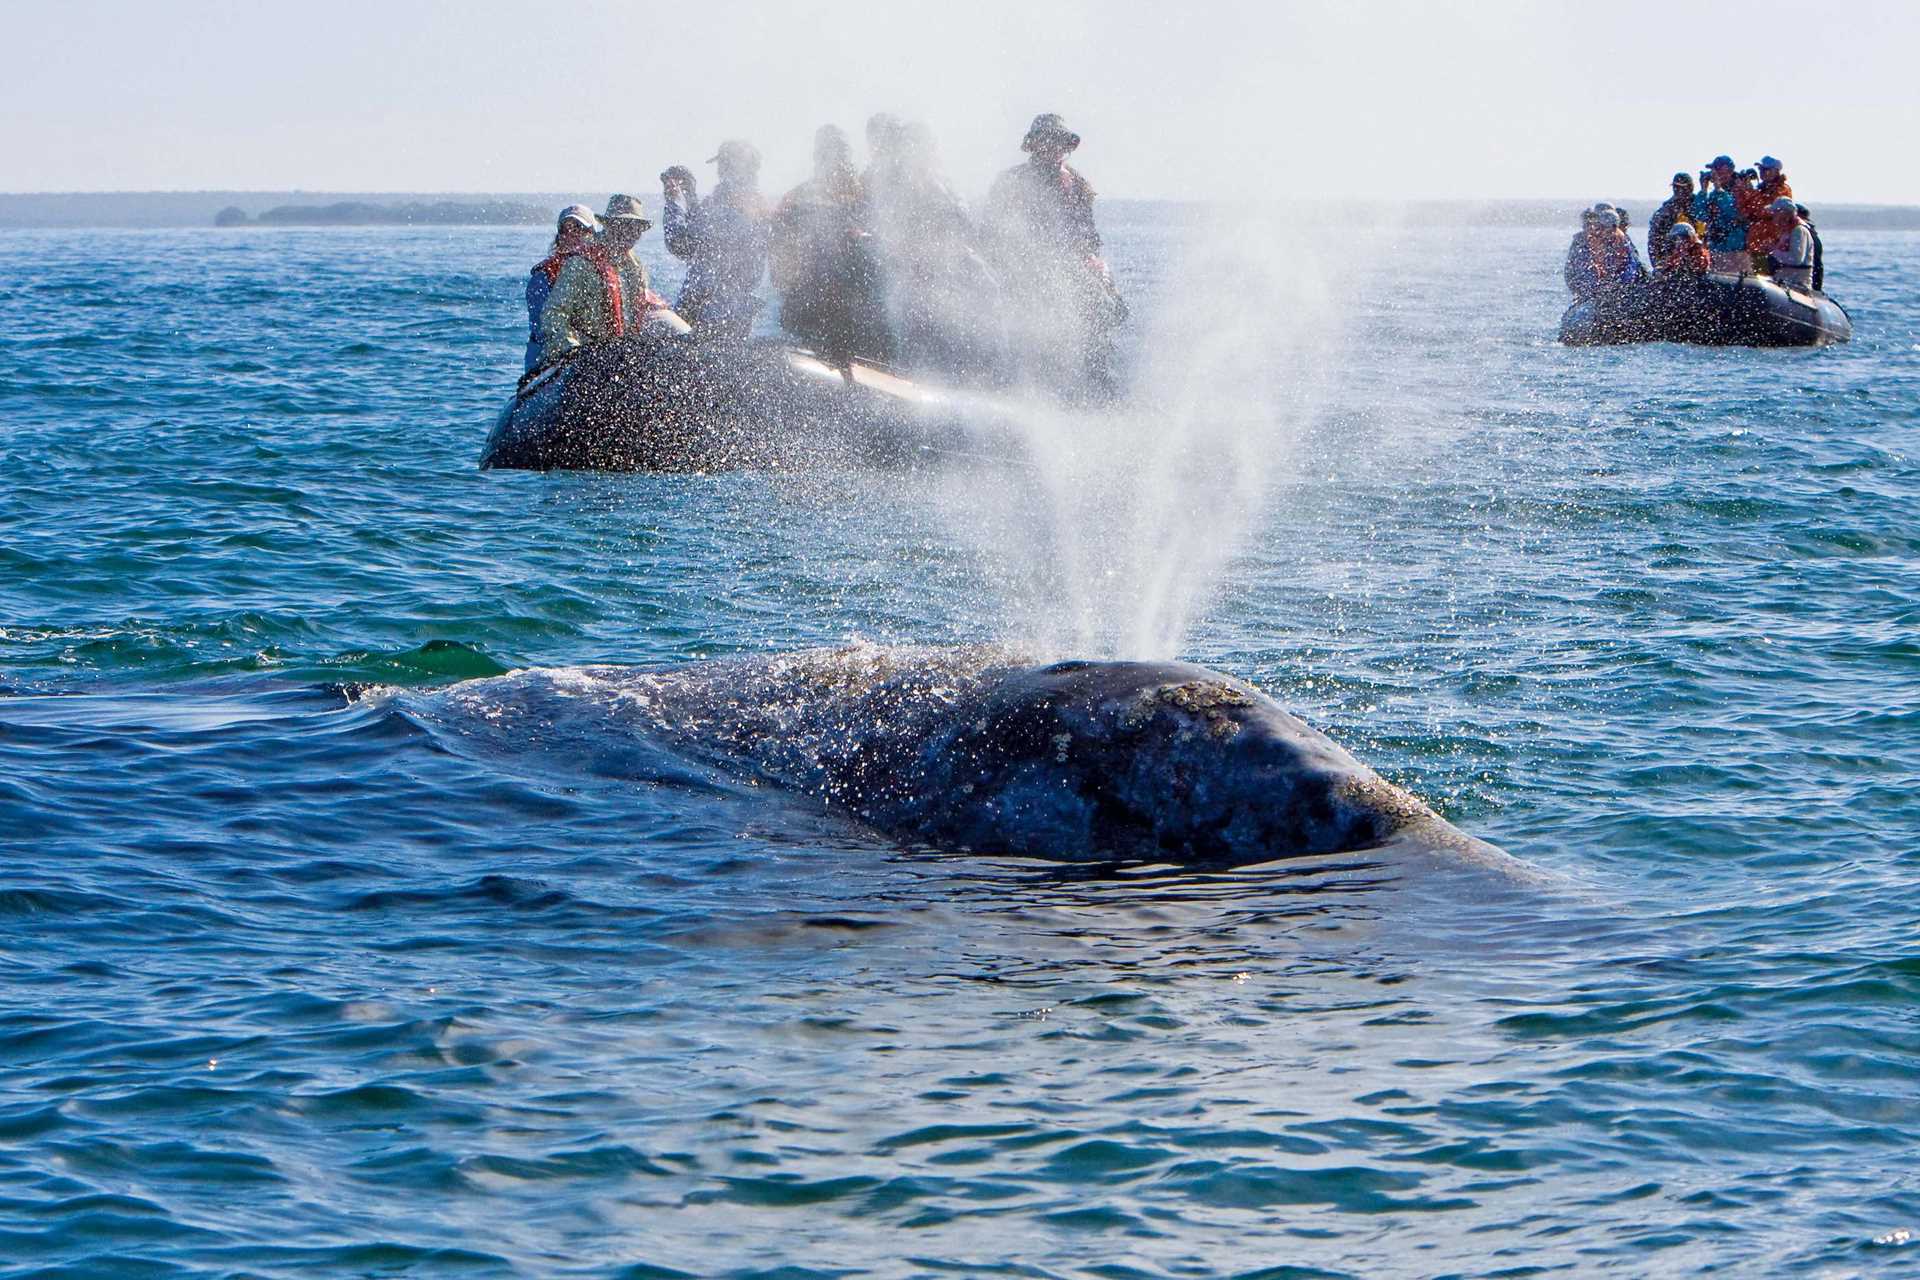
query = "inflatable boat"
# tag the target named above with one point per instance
(1713, 310)
(661, 400)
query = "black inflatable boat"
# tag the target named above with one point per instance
(1713, 310)
(661, 400)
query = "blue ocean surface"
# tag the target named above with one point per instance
(320, 957)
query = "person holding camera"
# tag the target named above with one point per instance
(1717, 207)
(723, 240)
(1756, 221)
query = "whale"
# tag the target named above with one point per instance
(981, 750)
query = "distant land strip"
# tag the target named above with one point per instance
(362, 213)
(130, 209)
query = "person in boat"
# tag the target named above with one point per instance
(1602, 262)
(1768, 185)
(1773, 179)
(1040, 227)
(883, 150)
(601, 291)
(577, 225)
(723, 240)
(1573, 270)
(822, 258)
(1819, 250)
(1715, 208)
(1792, 251)
(1586, 222)
(1677, 210)
(1685, 253)
(1750, 207)
(939, 288)
(1632, 248)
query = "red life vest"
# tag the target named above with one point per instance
(550, 265)
(609, 269)
(600, 261)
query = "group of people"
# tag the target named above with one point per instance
(884, 264)
(1733, 222)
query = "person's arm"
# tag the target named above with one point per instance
(557, 335)
(681, 224)
(1084, 228)
(784, 260)
(538, 289)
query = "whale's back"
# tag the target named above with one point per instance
(978, 749)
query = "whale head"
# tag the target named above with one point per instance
(1104, 758)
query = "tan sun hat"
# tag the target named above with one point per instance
(626, 209)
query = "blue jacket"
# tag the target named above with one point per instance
(1725, 232)
(538, 287)
(724, 241)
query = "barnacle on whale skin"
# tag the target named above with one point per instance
(1209, 699)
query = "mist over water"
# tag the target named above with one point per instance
(1113, 528)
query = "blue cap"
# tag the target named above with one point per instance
(1717, 161)
(1768, 162)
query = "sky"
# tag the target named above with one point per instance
(1211, 101)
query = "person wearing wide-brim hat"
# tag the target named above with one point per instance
(1040, 229)
(1049, 131)
(602, 291)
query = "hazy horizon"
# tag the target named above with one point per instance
(1319, 101)
(568, 192)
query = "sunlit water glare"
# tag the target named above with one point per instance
(294, 983)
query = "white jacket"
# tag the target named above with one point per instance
(1793, 257)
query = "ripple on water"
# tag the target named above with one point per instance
(313, 970)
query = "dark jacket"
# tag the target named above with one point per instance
(723, 239)
(1037, 208)
(1668, 216)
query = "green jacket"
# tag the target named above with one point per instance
(576, 314)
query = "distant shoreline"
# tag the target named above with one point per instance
(414, 213)
(54, 210)
(270, 209)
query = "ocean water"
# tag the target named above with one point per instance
(314, 963)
